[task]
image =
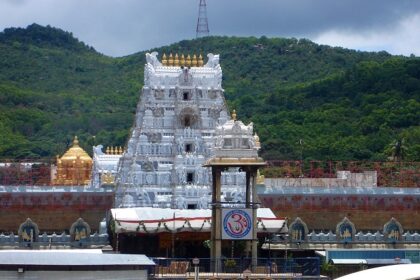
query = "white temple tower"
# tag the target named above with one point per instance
(181, 104)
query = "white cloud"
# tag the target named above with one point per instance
(403, 38)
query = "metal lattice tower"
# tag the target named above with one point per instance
(202, 22)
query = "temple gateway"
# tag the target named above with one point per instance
(181, 105)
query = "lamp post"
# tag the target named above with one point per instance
(196, 262)
(275, 239)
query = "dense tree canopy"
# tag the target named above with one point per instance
(306, 100)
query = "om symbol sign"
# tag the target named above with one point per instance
(237, 223)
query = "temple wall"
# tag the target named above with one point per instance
(53, 212)
(367, 212)
(344, 179)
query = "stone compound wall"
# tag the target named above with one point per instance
(53, 211)
(366, 211)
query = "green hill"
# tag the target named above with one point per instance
(343, 104)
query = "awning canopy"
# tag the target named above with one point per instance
(371, 261)
(156, 220)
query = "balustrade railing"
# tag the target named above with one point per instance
(238, 267)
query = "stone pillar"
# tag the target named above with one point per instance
(216, 214)
(248, 243)
(254, 218)
(248, 189)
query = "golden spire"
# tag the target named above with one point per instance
(176, 61)
(75, 141)
(188, 61)
(200, 60)
(170, 60)
(234, 115)
(257, 140)
(194, 61)
(107, 150)
(164, 60)
(182, 61)
(120, 150)
(256, 137)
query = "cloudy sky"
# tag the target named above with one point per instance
(122, 27)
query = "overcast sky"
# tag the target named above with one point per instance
(123, 27)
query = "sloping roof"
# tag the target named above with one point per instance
(70, 258)
(390, 272)
(371, 261)
(75, 152)
(154, 220)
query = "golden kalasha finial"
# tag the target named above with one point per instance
(260, 178)
(200, 61)
(176, 61)
(257, 140)
(188, 61)
(170, 60)
(182, 60)
(164, 60)
(194, 61)
(107, 150)
(234, 115)
(75, 141)
(120, 150)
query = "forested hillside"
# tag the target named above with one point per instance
(306, 100)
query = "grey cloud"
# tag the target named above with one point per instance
(308, 16)
(117, 27)
(16, 2)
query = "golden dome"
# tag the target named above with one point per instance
(75, 152)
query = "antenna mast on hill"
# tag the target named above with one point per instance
(202, 22)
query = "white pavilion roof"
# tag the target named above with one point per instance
(155, 220)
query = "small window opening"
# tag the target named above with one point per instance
(190, 177)
(187, 121)
(188, 148)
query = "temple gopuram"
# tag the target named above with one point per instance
(180, 105)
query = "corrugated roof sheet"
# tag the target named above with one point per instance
(70, 258)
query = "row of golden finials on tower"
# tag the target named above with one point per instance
(182, 61)
(114, 150)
